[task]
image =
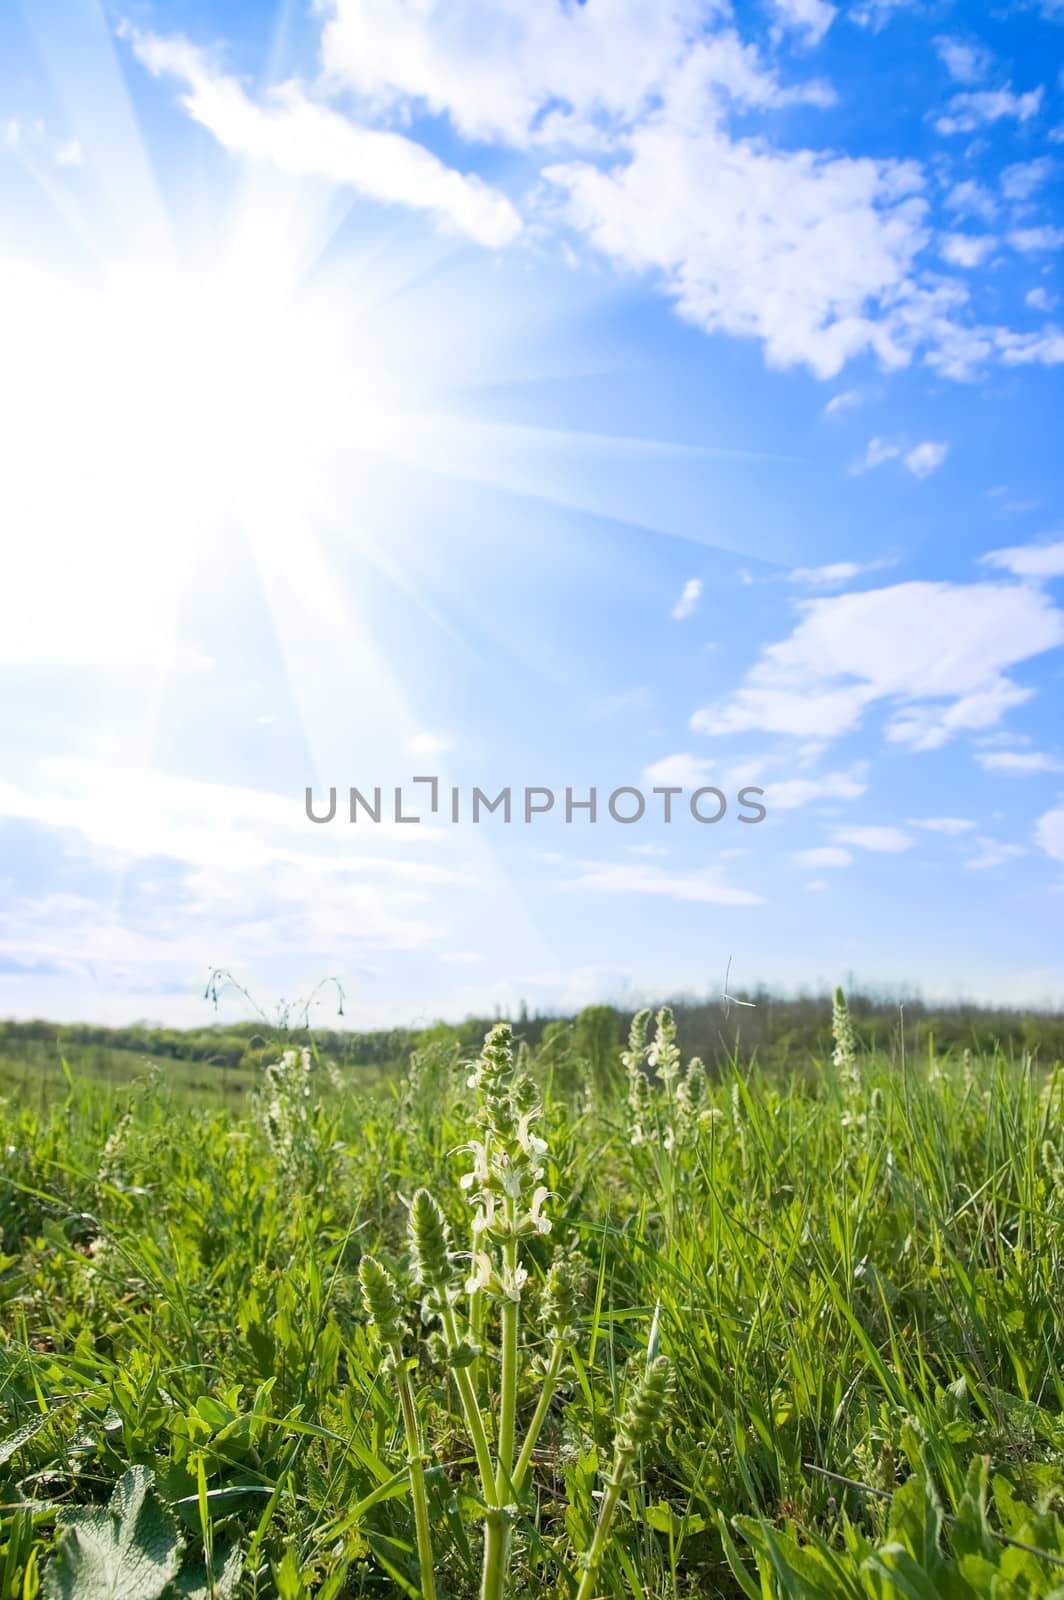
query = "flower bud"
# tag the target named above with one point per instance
(645, 1406)
(561, 1311)
(381, 1299)
(494, 1066)
(430, 1239)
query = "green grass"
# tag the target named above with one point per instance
(858, 1279)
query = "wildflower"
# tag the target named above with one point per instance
(484, 1217)
(845, 1053)
(540, 1223)
(512, 1281)
(645, 1407)
(381, 1299)
(431, 1245)
(483, 1275)
(560, 1311)
(663, 1054)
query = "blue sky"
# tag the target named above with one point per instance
(641, 393)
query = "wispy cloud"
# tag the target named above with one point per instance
(952, 827)
(1021, 180)
(784, 789)
(993, 853)
(826, 855)
(1030, 560)
(1049, 833)
(967, 249)
(851, 651)
(845, 400)
(301, 137)
(920, 459)
(882, 839)
(923, 459)
(1018, 763)
(981, 107)
(687, 604)
(1031, 241)
(965, 60)
(703, 886)
(834, 573)
(810, 19)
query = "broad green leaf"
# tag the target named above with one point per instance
(127, 1550)
(193, 1582)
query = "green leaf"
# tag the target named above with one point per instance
(21, 1436)
(663, 1519)
(194, 1584)
(127, 1550)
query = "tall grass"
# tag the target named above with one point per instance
(856, 1276)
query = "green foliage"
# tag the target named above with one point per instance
(856, 1278)
(126, 1550)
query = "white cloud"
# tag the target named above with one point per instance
(802, 251)
(971, 199)
(240, 873)
(303, 138)
(1020, 181)
(952, 827)
(814, 253)
(1030, 560)
(827, 855)
(1040, 299)
(1018, 763)
(787, 793)
(703, 887)
(1049, 833)
(820, 713)
(981, 107)
(882, 840)
(834, 573)
(967, 249)
(689, 598)
(140, 813)
(926, 458)
(875, 14)
(781, 794)
(846, 400)
(1032, 240)
(811, 18)
(879, 451)
(993, 853)
(507, 71)
(69, 154)
(1024, 349)
(921, 459)
(928, 727)
(851, 651)
(966, 62)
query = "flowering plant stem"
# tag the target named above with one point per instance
(546, 1395)
(593, 1558)
(642, 1414)
(509, 1316)
(417, 1478)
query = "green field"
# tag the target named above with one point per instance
(852, 1264)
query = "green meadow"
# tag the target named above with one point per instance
(562, 1312)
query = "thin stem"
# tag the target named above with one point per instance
(509, 1317)
(546, 1395)
(593, 1559)
(476, 1332)
(471, 1411)
(417, 1477)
